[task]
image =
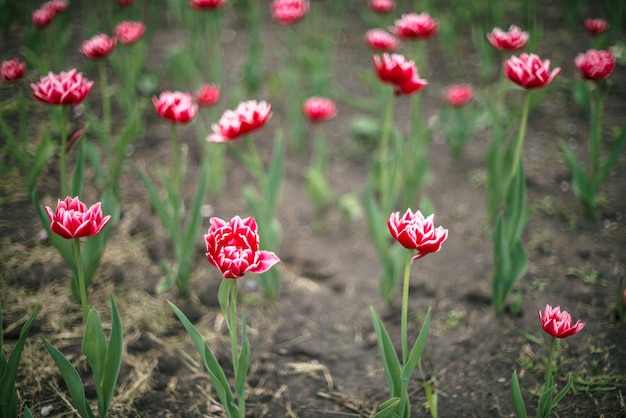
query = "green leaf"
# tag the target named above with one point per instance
(8, 368)
(580, 182)
(159, 205)
(27, 413)
(388, 408)
(79, 170)
(44, 151)
(393, 371)
(211, 365)
(562, 393)
(605, 168)
(518, 401)
(95, 348)
(544, 407)
(244, 358)
(72, 381)
(113, 360)
(417, 349)
(275, 175)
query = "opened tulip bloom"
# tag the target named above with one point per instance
(287, 12)
(57, 5)
(529, 71)
(66, 88)
(415, 232)
(458, 95)
(596, 26)
(177, 107)
(382, 6)
(559, 324)
(72, 218)
(129, 32)
(247, 117)
(381, 40)
(12, 70)
(206, 4)
(397, 70)
(513, 39)
(43, 16)
(233, 247)
(319, 109)
(415, 26)
(98, 46)
(208, 95)
(595, 65)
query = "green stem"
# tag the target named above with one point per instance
(254, 161)
(81, 278)
(215, 48)
(319, 149)
(405, 308)
(106, 108)
(522, 134)
(176, 177)
(597, 107)
(548, 375)
(384, 155)
(232, 322)
(64, 191)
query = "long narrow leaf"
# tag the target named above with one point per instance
(605, 168)
(79, 170)
(72, 381)
(211, 365)
(388, 408)
(417, 349)
(562, 393)
(275, 175)
(195, 217)
(45, 149)
(113, 360)
(518, 401)
(393, 371)
(94, 347)
(244, 357)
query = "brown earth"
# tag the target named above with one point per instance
(314, 351)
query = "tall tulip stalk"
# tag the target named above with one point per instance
(506, 177)
(417, 234)
(247, 117)
(595, 67)
(177, 108)
(558, 324)
(233, 248)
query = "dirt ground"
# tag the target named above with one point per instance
(314, 351)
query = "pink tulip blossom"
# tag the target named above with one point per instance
(247, 117)
(529, 72)
(98, 46)
(415, 232)
(512, 40)
(458, 95)
(233, 247)
(177, 107)
(415, 26)
(72, 218)
(208, 95)
(57, 5)
(287, 12)
(382, 6)
(43, 16)
(319, 109)
(381, 40)
(596, 26)
(129, 32)
(206, 4)
(559, 324)
(66, 88)
(12, 70)
(397, 70)
(595, 65)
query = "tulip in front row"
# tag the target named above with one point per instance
(415, 232)
(529, 72)
(72, 218)
(66, 88)
(233, 247)
(559, 324)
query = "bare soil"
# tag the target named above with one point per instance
(314, 351)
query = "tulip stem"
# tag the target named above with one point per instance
(81, 278)
(232, 322)
(548, 376)
(64, 191)
(522, 134)
(106, 108)
(385, 188)
(405, 307)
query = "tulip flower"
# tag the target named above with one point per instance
(381, 40)
(318, 109)
(66, 88)
(458, 95)
(129, 32)
(529, 72)
(397, 70)
(57, 5)
(414, 26)
(233, 248)
(73, 220)
(596, 26)
(559, 324)
(382, 6)
(43, 16)
(247, 117)
(176, 107)
(512, 40)
(415, 232)
(595, 65)
(98, 46)
(12, 70)
(288, 12)
(208, 95)
(206, 4)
